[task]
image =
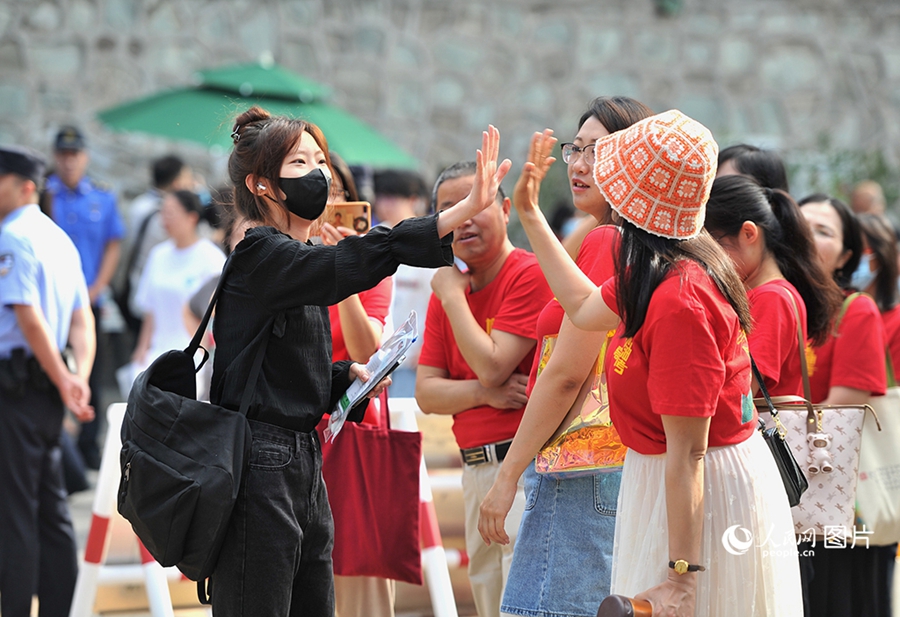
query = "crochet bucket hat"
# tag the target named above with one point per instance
(658, 172)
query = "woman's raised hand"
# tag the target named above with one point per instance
(528, 187)
(488, 176)
(488, 173)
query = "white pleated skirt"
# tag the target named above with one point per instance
(749, 550)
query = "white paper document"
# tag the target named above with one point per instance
(380, 365)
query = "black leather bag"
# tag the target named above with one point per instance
(795, 482)
(182, 459)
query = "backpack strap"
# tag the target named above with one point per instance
(194, 345)
(260, 353)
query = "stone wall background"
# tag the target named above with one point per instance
(817, 79)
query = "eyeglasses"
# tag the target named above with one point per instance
(570, 152)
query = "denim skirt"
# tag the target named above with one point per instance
(562, 563)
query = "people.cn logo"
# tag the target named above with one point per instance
(733, 544)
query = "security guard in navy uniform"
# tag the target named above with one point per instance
(87, 212)
(44, 306)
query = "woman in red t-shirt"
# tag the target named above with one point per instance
(773, 251)
(700, 490)
(877, 276)
(847, 369)
(564, 518)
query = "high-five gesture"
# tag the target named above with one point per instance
(488, 176)
(528, 187)
(578, 295)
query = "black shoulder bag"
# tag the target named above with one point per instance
(182, 459)
(795, 482)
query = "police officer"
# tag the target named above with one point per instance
(88, 213)
(44, 306)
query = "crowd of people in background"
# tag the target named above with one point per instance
(508, 341)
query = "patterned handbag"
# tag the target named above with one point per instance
(826, 442)
(590, 443)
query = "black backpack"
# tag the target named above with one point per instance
(182, 459)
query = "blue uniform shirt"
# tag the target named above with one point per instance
(90, 217)
(39, 266)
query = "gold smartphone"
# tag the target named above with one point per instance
(356, 215)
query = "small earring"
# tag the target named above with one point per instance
(260, 187)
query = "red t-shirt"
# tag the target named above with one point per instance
(596, 258)
(773, 339)
(855, 357)
(693, 345)
(376, 302)
(510, 303)
(891, 321)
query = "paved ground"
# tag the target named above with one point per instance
(130, 600)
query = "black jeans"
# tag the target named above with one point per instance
(37, 542)
(276, 558)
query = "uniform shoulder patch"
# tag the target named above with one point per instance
(100, 185)
(7, 261)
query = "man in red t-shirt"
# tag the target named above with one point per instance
(476, 355)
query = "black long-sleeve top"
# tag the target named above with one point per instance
(275, 279)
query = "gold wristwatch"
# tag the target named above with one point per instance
(682, 567)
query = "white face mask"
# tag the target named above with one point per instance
(863, 276)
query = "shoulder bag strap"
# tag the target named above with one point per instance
(138, 241)
(765, 392)
(889, 366)
(846, 305)
(801, 345)
(813, 423)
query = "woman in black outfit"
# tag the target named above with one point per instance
(276, 558)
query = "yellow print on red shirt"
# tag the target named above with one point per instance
(621, 355)
(489, 324)
(810, 360)
(547, 345)
(590, 442)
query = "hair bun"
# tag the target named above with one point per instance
(254, 114)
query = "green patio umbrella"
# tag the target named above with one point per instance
(204, 113)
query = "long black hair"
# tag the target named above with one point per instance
(882, 240)
(736, 199)
(850, 231)
(645, 259)
(764, 166)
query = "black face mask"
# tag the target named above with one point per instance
(307, 195)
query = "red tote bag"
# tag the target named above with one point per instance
(372, 476)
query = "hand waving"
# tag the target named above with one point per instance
(528, 187)
(488, 176)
